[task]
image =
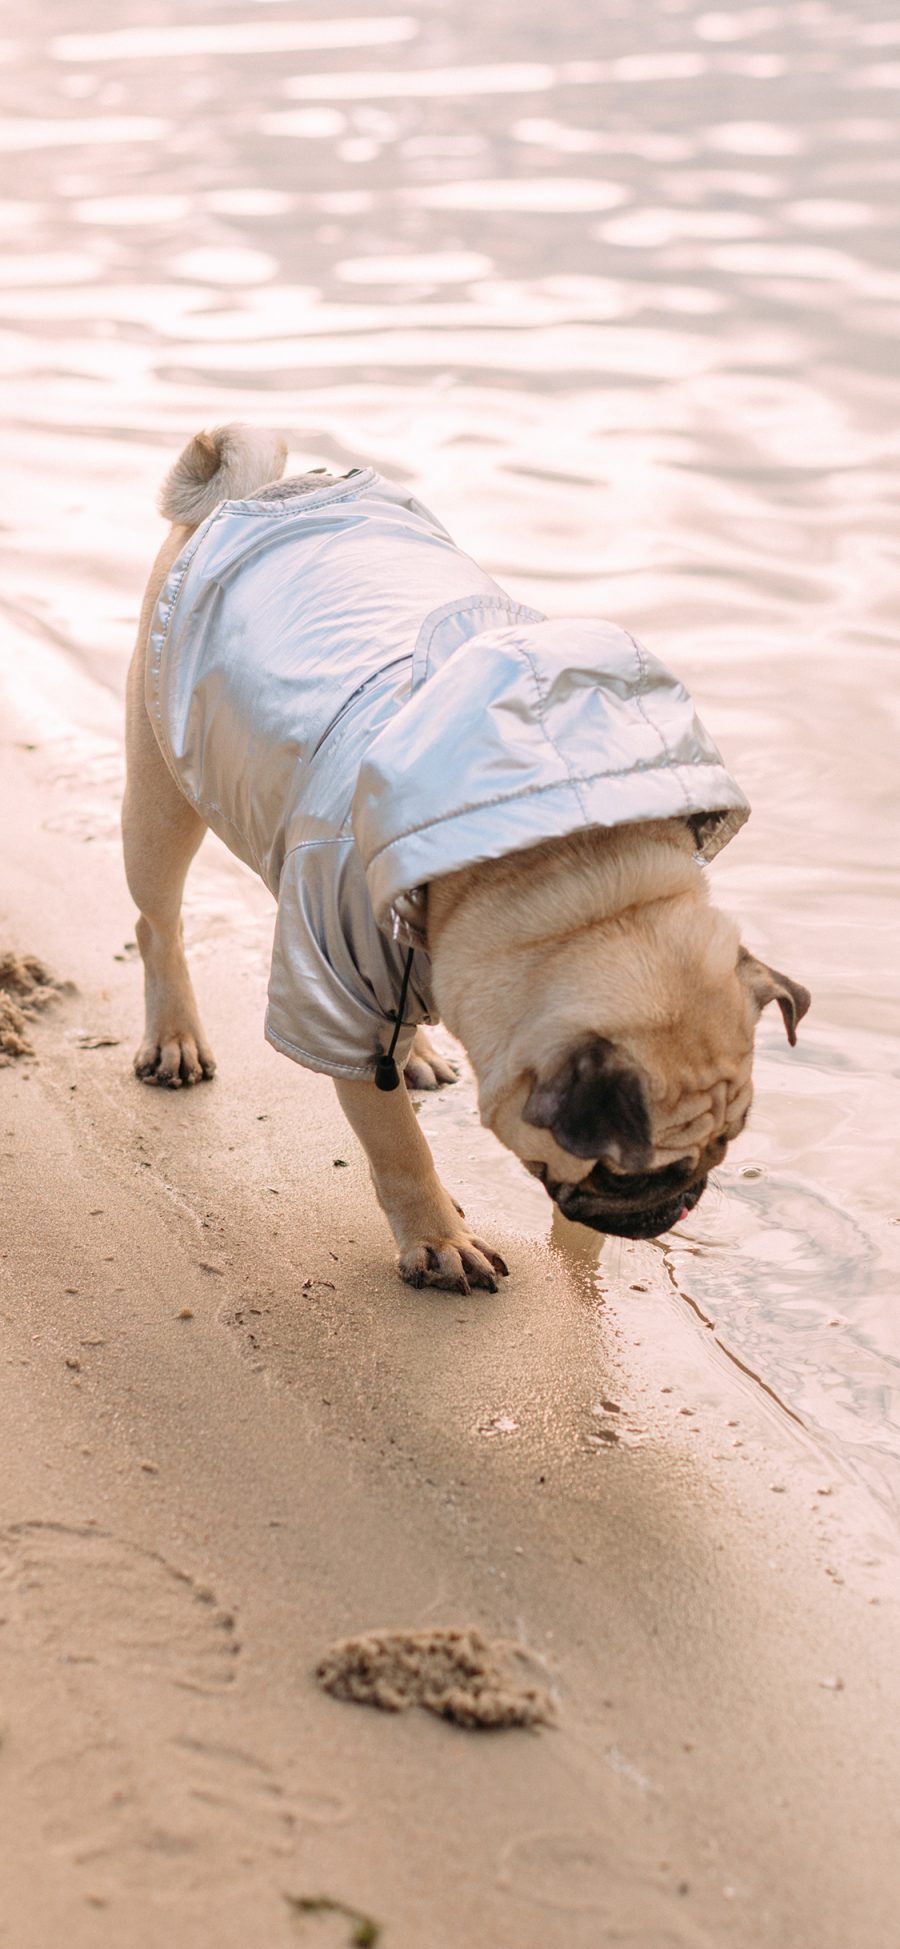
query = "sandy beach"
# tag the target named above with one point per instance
(614, 291)
(230, 1437)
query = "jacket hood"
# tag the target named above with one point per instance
(530, 733)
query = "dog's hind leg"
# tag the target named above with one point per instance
(160, 828)
(161, 833)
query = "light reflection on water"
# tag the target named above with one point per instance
(616, 289)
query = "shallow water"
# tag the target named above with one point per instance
(616, 289)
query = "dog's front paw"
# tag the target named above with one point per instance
(457, 1263)
(425, 1068)
(177, 1061)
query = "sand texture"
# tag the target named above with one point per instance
(229, 1437)
(456, 1674)
(26, 987)
(612, 289)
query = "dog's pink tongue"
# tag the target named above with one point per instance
(684, 1213)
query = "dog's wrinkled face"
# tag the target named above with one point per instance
(596, 1102)
(624, 1131)
(609, 1011)
(630, 1130)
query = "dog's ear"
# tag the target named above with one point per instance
(594, 1105)
(767, 985)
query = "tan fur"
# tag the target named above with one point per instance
(601, 934)
(611, 932)
(225, 465)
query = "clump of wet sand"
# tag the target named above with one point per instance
(456, 1673)
(26, 987)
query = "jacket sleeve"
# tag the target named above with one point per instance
(335, 977)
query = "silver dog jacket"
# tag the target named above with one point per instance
(355, 707)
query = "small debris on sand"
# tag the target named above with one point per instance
(26, 986)
(364, 1932)
(454, 1673)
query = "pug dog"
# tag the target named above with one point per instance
(465, 812)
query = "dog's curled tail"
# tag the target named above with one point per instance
(225, 465)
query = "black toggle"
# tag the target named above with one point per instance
(387, 1075)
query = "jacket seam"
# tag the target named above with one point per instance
(329, 1068)
(306, 845)
(337, 731)
(170, 594)
(573, 781)
(276, 509)
(534, 791)
(313, 498)
(643, 679)
(512, 610)
(166, 605)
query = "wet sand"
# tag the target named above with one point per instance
(230, 1437)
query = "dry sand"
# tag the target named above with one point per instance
(230, 1437)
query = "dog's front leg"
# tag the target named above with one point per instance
(436, 1246)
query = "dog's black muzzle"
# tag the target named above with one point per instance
(626, 1207)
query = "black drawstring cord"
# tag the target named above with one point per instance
(387, 1075)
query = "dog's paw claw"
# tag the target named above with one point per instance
(175, 1064)
(455, 1265)
(494, 1259)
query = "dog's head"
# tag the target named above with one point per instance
(623, 1130)
(613, 1054)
